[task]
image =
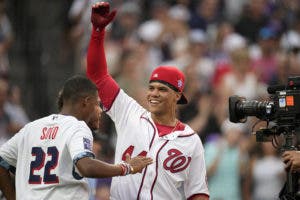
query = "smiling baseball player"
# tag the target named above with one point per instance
(178, 171)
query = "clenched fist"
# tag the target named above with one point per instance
(101, 15)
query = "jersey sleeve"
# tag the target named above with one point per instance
(116, 103)
(9, 150)
(197, 179)
(124, 110)
(97, 70)
(81, 143)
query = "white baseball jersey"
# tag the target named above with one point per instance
(178, 170)
(44, 154)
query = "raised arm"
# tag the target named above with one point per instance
(100, 18)
(96, 60)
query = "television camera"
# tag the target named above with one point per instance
(283, 109)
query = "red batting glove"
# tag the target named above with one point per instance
(101, 16)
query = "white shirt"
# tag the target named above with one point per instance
(268, 178)
(178, 169)
(44, 153)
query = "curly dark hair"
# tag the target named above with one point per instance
(74, 88)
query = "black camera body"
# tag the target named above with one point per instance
(283, 108)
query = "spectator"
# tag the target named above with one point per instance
(7, 129)
(199, 72)
(206, 13)
(79, 17)
(233, 9)
(240, 80)
(132, 76)
(216, 48)
(265, 66)
(267, 172)
(253, 18)
(6, 39)
(226, 163)
(14, 108)
(124, 29)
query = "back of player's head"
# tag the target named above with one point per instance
(75, 88)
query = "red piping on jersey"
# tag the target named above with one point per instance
(138, 197)
(186, 135)
(154, 133)
(156, 169)
(196, 195)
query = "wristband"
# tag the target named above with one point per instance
(122, 170)
(126, 168)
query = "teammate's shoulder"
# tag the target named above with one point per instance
(58, 119)
(70, 120)
(36, 121)
(54, 118)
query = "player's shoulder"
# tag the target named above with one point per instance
(36, 122)
(124, 99)
(67, 120)
(187, 131)
(58, 119)
(189, 134)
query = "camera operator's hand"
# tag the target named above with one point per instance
(101, 15)
(292, 160)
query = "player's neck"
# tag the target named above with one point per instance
(70, 112)
(164, 119)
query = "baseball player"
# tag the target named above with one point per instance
(50, 156)
(178, 169)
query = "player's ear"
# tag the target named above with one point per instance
(85, 100)
(177, 96)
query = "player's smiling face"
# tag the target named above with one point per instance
(161, 99)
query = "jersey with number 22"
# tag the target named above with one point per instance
(44, 153)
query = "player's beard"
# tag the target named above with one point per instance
(94, 123)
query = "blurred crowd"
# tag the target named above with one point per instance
(224, 47)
